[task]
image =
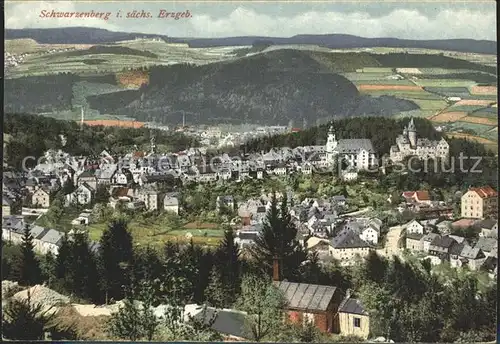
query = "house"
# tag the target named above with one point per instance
(414, 242)
(120, 178)
(489, 228)
(105, 174)
(319, 245)
(228, 322)
(346, 246)
(472, 256)
(417, 197)
(479, 203)
(171, 203)
(41, 198)
(414, 227)
(150, 197)
(370, 235)
(353, 318)
(7, 204)
(247, 235)
(440, 246)
(49, 241)
(426, 241)
(490, 265)
(82, 195)
(311, 302)
(87, 177)
(488, 245)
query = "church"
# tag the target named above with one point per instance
(408, 144)
(358, 153)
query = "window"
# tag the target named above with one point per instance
(357, 322)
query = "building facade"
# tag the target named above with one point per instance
(409, 144)
(479, 203)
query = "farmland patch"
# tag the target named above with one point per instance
(115, 123)
(478, 102)
(377, 70)
(472, 137)
(408, 70)
(480, 120)
(448, 116)
(483, 90)
(365, 87)
(449, 91)
(444, 83)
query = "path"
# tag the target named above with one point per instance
(391, 245)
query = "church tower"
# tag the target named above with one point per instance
(331, 145)
(412, 134)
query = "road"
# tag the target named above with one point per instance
(391, 245)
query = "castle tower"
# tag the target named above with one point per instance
(412, 134)
(331, 145)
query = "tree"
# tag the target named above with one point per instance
(278, 240)
(23, 320)
(116, 256)
(126, 323)
(228, 262)
(48, 268)
(27, 268)
(84, 269)
(216, 293)
(264, 304)
(101, 194)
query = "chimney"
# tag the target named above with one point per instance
(276, 270)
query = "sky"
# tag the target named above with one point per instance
(403, 19)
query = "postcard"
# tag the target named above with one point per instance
(254, 171)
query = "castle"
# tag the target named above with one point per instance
(408, 144)
(358, 153)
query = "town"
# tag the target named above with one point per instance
(65, 196)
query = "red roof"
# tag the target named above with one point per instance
(419, 195)
(138, 154)
(294, 130)
(423, 196)
(485, 192)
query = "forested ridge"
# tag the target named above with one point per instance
(32, 135)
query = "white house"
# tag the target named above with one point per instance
(171, 204)
(414, 227)
(370, 235)
(82, 195)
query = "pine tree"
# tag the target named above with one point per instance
(85, 276)
(27, 268)
(63, 272)
(115, 258)
(23, 320)
(278, 240)
(228, 262)
(216, 293)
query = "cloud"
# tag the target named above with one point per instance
(409, 24)
(27, 15)
(450, 22)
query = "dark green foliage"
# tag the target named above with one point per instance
(477, 77)
(270, 88)
(27, 267)
(216, 293)
(115, 258)
(33, 135)
(278, 241)
(23, 320)
(76, 268)
(10, 255)
(39, 93)
(410, 304)
(228, 264)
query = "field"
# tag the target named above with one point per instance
(40, 62)
(480, 120)
(155, 235)
(448, 116)
(444, 83)
(477, 102)
(382, 87)
(491, 90)
(115, 123)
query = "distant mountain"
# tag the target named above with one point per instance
(270, 88)
(83, 35)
